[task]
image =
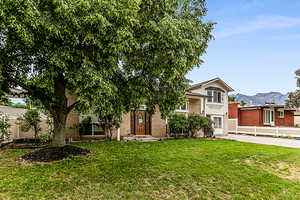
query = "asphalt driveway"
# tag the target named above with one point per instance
(292, 143)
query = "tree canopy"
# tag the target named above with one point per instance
(293, 100)
(138, 51)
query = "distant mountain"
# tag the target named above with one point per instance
(262, 98)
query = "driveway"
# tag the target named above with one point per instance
(264, 140)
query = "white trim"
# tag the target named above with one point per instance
(258, 130)
(271, 113)
(228, 88)
(181, 111)
(258, 127)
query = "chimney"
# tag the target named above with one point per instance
(233, 109)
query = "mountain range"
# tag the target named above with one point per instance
(262, 98)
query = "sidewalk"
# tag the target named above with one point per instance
(264, 140)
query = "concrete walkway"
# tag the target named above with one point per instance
(264, 140)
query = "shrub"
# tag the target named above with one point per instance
(189, 126)
(4, 126)
(207, 126)
(197, 123)
(45, 138)
(83, 126)
(30, 119)
(178, 124)
(108, 122)
(194, 124)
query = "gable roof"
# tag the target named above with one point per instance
(196, 94)
(230, 89)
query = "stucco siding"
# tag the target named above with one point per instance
(158, 125)
(194, 106)
(125, 125)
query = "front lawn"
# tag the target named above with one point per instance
(178, 169)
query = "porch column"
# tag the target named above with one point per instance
(118, 134)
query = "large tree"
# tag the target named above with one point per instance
(293, 100)
(138, 50)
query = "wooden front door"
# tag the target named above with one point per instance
(140, 123)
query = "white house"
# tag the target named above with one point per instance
(216, 106)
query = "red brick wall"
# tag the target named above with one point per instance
(250, 118)
(233, 110)
(288, 119)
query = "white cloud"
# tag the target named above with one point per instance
(258, 24)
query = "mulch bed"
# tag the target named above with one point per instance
(51, 154)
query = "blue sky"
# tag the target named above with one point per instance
(256, 47)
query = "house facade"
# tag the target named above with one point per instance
(264, 116)
(209, 98)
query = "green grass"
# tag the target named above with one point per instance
(178, 169)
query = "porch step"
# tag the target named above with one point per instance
(141, 138)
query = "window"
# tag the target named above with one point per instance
(97, 129)
(215, 96)
(210, 93)
(94, 129)
(281, 114)
(268, 116)
(217, 122)
(182, 108)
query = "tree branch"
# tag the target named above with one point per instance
(72, 106)
(19, 83)
(32, 91)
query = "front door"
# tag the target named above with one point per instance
(140, 123)
(218, 125)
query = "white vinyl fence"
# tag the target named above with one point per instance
(263, 131)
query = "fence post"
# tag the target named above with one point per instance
(255, 130)
(277, 131)
(236, 127)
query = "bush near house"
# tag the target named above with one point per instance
(83, 126)
(178, 125)
(4, 126)
(30, 120)
(189, 125)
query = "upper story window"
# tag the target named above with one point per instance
(216, 96)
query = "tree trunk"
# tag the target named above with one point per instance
(107, 132)
(35, 133)
(59, 135)
(59, 112)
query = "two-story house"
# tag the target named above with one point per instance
(209, 98)
(216, 105)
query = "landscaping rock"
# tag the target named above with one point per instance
(51, 154)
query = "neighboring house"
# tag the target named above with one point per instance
(297, 117)
(209, 98)
(265, 116)
(14, 130)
